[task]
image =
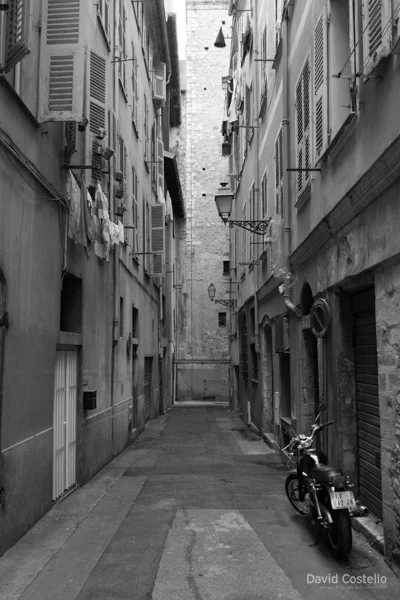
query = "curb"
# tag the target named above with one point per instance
(366, 525)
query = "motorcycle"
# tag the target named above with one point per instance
(321, 491)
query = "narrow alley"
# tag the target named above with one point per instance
(194, 509)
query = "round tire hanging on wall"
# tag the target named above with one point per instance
(320, 317)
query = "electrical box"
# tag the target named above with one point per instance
(89, 399)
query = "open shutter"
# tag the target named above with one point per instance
(159, 90)
(97, 111)
(62, 62)
(377, 32)
(160, 164)
(279, 174)
(303, 127)
(321, 86)
(19, 30)
(134, 89)
(158, 239)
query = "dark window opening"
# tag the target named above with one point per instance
(71, 304)
(222, 319)
(225, 270)
(135, 322)
(121, 317)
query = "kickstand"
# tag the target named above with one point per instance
(316, 542)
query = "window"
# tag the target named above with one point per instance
(18, 28)
(135, 322)
(222, 319)
(226, 270)
(279, 174)
(302, 104)
(71, 304)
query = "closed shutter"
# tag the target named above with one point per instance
(19, 29)
(61, 79)
(279, 174)
(321, 86)
(377, 32)
(303, 127)
(157, 213)
(148, 373)
(97, 111)
(367, 402)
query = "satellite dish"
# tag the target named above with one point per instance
(275, 238)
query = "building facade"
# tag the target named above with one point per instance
(203, 360)
(90, 205)
(313, 128)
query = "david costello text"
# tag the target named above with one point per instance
(347, 579)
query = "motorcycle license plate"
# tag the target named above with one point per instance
(342, 500)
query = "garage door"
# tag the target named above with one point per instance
(148, 369)
(367, 401)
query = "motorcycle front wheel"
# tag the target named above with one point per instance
(340, 539)
(292, 492)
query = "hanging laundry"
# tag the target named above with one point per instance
(88, 212)
(74, 205)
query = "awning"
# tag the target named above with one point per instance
(174, 185)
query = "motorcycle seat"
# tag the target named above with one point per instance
(325, 473)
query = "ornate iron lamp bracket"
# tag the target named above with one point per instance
(258, 227)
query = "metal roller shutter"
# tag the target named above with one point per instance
(148, 368)
(367, 401)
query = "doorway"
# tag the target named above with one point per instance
(64, 422)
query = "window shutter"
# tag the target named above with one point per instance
(19, 30)
(320, 86)
(278, 21)
(134, 89)
(97, 111)
(264, 65)
(159, 90)
(303, 127)
(279, 174)
(158, 238)
(62, 62)
(160, 165)
(377, 32)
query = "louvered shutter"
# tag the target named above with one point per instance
(61, 80)
(103, 11)
(19, 29)
(303, 127)
(320, 86)
(264, 65)
(158, 238)
(377, 31)
(122, 43)
(134, 89)
(159, 90)
(160, 164)
(97, 109)
(279, 174)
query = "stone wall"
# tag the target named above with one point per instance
(387, 289)
(207, 243)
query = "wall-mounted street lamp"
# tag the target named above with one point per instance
(223, 201)
(211, 293)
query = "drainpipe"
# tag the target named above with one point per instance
(286, 154)
(115, 331)
(256, 178)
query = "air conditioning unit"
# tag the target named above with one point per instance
(101, 133)
(98, 149)
(119, 192)
(119, 176)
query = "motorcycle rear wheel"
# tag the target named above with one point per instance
(292, 492)
(340, 539)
